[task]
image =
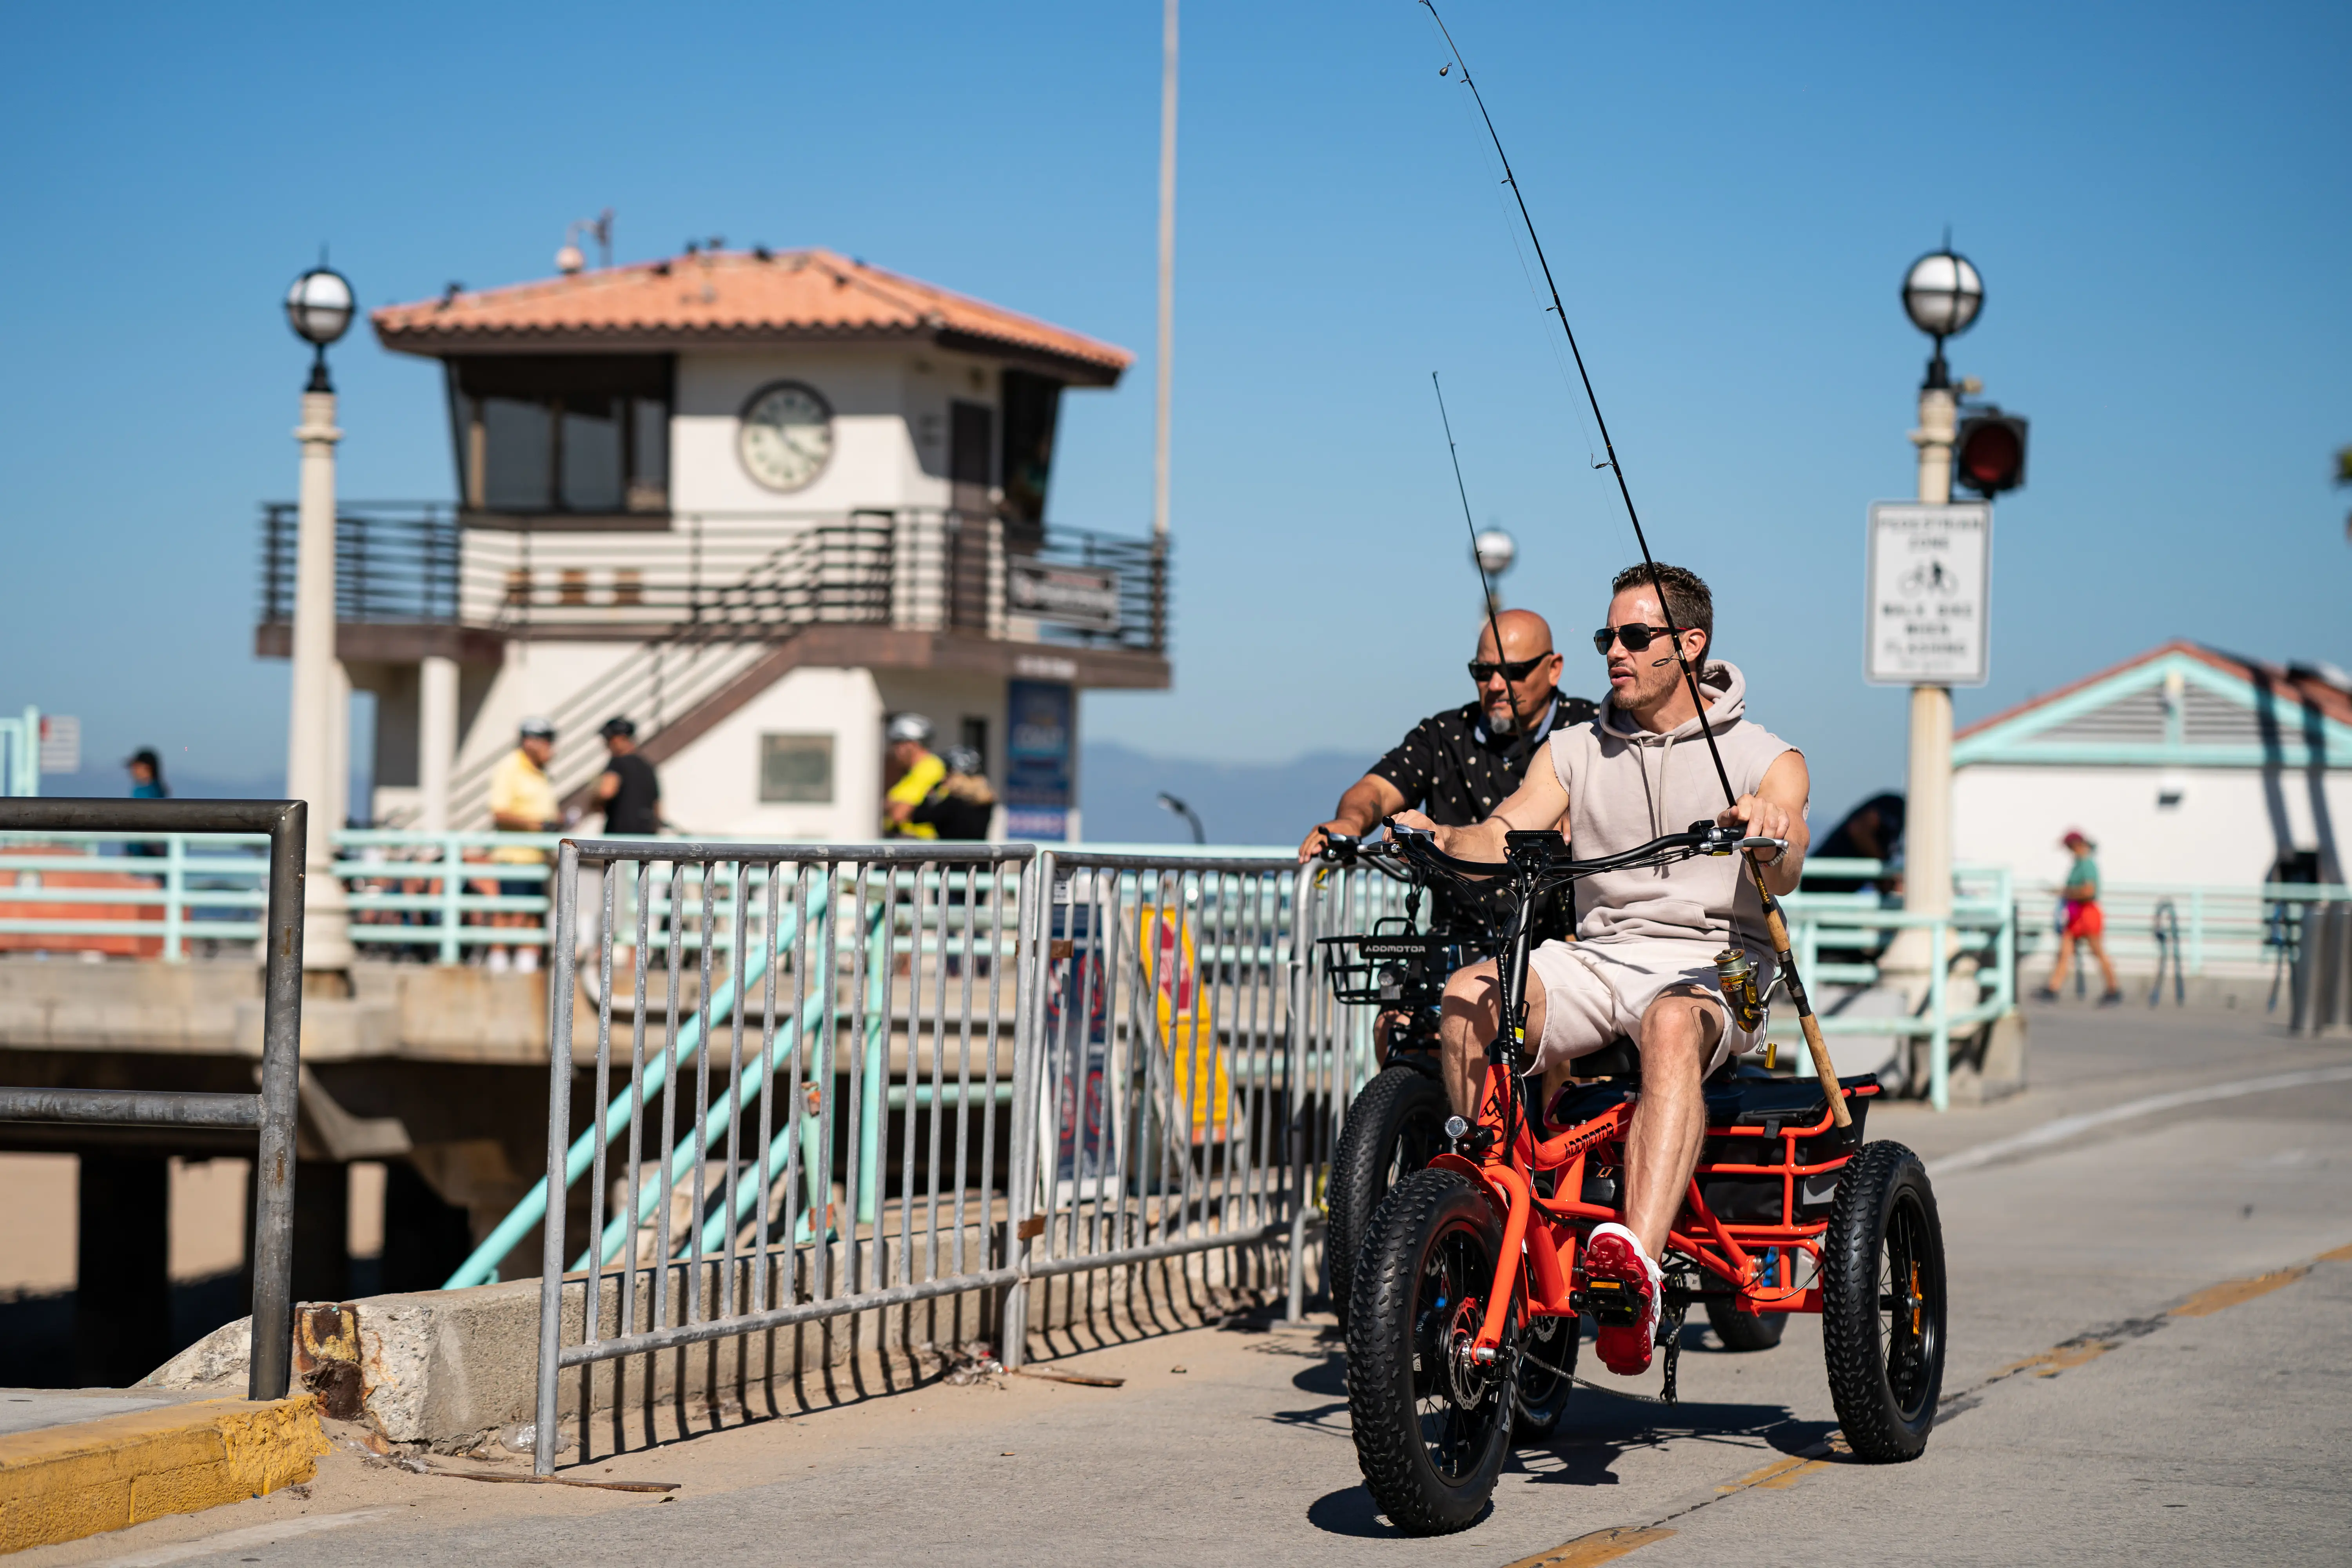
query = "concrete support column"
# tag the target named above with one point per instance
(313, 727)
(338, 811)
(436, 740)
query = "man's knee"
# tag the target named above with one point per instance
(1469, 994)
(1678, 1030)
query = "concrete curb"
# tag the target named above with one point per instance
(62, 1483)
(447, 1369)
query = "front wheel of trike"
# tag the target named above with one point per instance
(1432, 1424)
(1883, 1303)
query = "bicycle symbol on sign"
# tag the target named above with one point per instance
(1930, 577)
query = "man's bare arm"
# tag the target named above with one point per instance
(1776, 810)
(1367, 801)
(1540, 802)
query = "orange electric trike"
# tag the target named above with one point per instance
(1468, 1288)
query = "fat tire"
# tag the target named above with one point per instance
(1398, 1100)
(1745, 1331)
(1419, 1212)
(1886, 1393)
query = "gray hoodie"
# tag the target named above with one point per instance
(1627, 786)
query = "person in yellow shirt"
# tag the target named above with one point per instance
(522, 800)
(915, 773)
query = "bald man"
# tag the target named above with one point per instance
(1457, 766)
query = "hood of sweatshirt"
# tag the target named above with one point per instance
(1724, 689)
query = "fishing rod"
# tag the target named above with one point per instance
(1485, 585)
(1509, 967)
(1775, 925)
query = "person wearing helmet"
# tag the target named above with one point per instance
(959, 809)
(915, 771)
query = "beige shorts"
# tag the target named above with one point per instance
(1596, 991)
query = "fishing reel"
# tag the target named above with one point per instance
(1735, 976)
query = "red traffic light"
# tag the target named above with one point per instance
(1988, 455)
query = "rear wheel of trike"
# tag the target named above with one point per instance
(1433, 1426)
(1741, 1330)
(1395, 1128)
(1744, 1331)
(1883, 1303)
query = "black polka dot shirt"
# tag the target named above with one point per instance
(1456, 768)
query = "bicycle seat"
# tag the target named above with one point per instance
(1619, 1059)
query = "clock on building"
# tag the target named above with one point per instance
(785, 435)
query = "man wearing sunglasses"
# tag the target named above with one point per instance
(1458, 765)
(1643, 967)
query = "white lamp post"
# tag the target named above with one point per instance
(1942, 294)
(319, 307)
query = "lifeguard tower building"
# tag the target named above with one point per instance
(757, 502)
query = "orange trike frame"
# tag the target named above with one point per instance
(1548, 1231)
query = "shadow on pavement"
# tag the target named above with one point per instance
(1349, 1511)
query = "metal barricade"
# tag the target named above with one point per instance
(271, 1112)
(1158, 1078)
(1333, 1041)
(865, 999)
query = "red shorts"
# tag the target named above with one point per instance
(2084, 918)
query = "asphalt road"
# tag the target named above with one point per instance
(2106, 1401)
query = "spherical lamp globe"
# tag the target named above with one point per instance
(319, 306)
(1496, 551)
(1942, 293)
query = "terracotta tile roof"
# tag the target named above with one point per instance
(2295, 682)
(736, 297)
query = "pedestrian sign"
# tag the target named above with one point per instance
(1929, 579)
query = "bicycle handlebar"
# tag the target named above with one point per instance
(1544, 857)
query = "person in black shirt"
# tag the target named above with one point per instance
(960, 805)
(1458, 765)
(628, 790)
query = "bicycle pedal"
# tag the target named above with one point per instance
(1611, 1301)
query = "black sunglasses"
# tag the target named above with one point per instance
(1634, 637)
(1518, 669)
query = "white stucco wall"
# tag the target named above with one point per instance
(891, 426)
(2223, 832)
(713, 786)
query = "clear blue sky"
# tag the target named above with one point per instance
(2157, 195)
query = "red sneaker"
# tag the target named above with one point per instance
(1622, 1286)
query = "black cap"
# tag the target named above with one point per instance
(144, 754)
(617, 726)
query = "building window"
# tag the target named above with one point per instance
(1032, 404)
(563, 434)
(796, 770)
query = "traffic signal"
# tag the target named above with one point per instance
(1988, 455)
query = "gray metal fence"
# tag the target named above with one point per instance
(1157, 1083)
(271, 1112)
(829, 1080)
(842, 1154)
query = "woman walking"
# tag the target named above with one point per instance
(2083, 923)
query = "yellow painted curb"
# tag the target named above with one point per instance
(60, 1483)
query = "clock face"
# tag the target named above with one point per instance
(786, 436)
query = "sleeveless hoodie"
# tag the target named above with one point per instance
(1627, 786)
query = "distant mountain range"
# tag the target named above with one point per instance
(1238, 803)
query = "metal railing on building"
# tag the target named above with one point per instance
(734, 573)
